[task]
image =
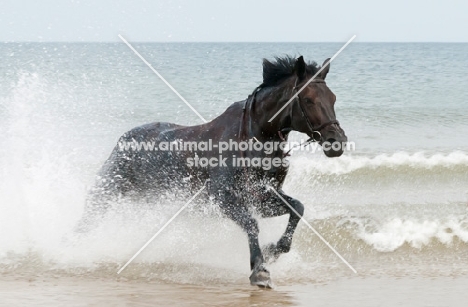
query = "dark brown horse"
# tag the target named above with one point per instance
(238, 188)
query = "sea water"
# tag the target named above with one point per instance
(397, 203)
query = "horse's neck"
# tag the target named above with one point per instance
(262, 108)
(249, 119)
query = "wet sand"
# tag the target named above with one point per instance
(350, 291)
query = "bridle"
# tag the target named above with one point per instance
(315, 135)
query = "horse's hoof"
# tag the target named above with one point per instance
(264, 285)
(261, 277)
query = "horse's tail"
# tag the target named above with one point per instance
(94, 211)
(113, 181)
(116, 178)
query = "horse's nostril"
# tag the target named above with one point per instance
(331, 140)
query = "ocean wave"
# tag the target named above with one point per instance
(365, 235)
(209, 250)
(397, 232)
(400, 164)
(397, 161)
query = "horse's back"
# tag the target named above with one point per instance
(150, 131)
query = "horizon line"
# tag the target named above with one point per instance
(244, 42)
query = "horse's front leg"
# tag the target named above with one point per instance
(236, 211)
(296, 210)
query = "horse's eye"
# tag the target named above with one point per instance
(308, 101)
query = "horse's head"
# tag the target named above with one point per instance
(313, 111)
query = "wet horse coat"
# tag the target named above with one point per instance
(237, 189)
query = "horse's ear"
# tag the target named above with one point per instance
(324, 72)
(300, 68)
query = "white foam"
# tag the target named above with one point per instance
(348, 163)
(396, 232)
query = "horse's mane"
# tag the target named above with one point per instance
(282, 68)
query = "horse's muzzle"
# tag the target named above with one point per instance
(334, 144)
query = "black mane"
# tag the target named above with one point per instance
(283, 67)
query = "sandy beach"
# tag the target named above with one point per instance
(351, 291)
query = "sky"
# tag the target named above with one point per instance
(234, 20)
